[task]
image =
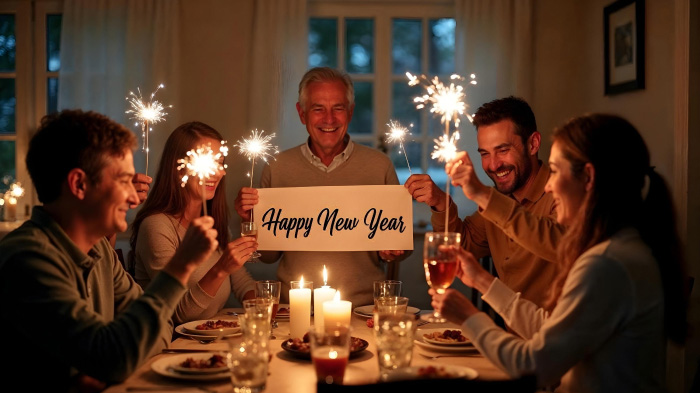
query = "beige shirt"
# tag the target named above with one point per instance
(520, 237)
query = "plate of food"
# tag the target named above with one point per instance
(445, 337)
(368, 310)
(424, 335)
(427, 372)
(282, 313)
(212, 327)
(194, 367)
(301, 348)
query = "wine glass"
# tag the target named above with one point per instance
(270, 289)
(249, 228)
(440, 265)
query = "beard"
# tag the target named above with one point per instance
(521, 172)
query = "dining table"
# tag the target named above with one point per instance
(288, 373)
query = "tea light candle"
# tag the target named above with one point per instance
(337, 311)
(322, 295)
(10, 211)
(299, 307)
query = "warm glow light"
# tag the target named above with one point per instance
(257, 146)
(336, 298)
(445, 149)
(16, 190)
(146, 112)
(202, 162)
(301, 282)
(325, 276)
(397, 133)
(446, 101)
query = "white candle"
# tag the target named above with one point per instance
(10, 209)
(299, 307)
(337, 311)
(322, 295)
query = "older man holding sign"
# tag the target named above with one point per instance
(329, 224)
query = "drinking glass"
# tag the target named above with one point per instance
(393, 335)
(330, 351)
(248, 363)
(258, 313)
(396, 305)
(386, 288)
(249, 228)
(270, 289)
(440, 265)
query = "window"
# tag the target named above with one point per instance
(377, 44)
(27, 92)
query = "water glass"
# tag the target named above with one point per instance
(248, 361)
(258, 313)
(330, 351)
(385, 288)
(396, 305)
(269, 289)
(393, 335)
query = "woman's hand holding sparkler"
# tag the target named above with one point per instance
(142, 183)
(461, 171)
(423, 189)
(246, 199)
(196, 247)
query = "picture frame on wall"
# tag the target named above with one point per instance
(623, 24)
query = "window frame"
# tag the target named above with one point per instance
(383, 12)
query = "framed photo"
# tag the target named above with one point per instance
(623, 24)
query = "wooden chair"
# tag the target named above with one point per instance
(525, 384)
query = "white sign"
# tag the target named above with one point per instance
(347, 218)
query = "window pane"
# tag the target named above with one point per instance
(52, 95)
(7, 43)
(53, 42)
(359, 46)
(442, 46)
(323, 42)
(406, 46)
(363, 116)
(7, 161)
(7, 106)
(403, 109)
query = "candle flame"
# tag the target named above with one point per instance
(325, 276)
(336, 298)
(2, 202)
(202, 162)
(333, 354)
(301, 282)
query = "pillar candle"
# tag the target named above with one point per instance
(322, 295)
(10, 212)
(337, 311)
(299, 307)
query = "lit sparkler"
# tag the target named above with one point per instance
(257, 146)
(202, 163)
(445, 149)
(16, 190)
(146, 113)
(397, 133)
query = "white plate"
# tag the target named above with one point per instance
(282, 317)
(412, 372)
(164, 367)
(442, 343)
(180, 330)
(368, 310)
(191, 328)
(419, 340)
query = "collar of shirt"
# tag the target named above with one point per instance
(337, 160)
(44, 220)
(536, 190)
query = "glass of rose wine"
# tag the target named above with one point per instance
(439, 264)
(249, 228)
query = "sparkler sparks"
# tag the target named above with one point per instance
(447, 101)
(397, 133)
(146, 113)
(257, 146)
(202, 163)
(16, 190)
(445, 149)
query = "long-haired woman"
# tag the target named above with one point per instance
(163, 220)
(620, 292)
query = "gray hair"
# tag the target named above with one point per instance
(325, 74)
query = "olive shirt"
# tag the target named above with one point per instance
(64, 312)
(520, 237)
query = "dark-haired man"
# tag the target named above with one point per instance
(65, 300)
(515, 222)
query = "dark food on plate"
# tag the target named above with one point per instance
(448, 336)
(216, 361)
(303, 345)
(218, 324)
(370, 322)
(283, 310)
(434, 372)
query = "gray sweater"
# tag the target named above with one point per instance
(352, 273)
(159, 237)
